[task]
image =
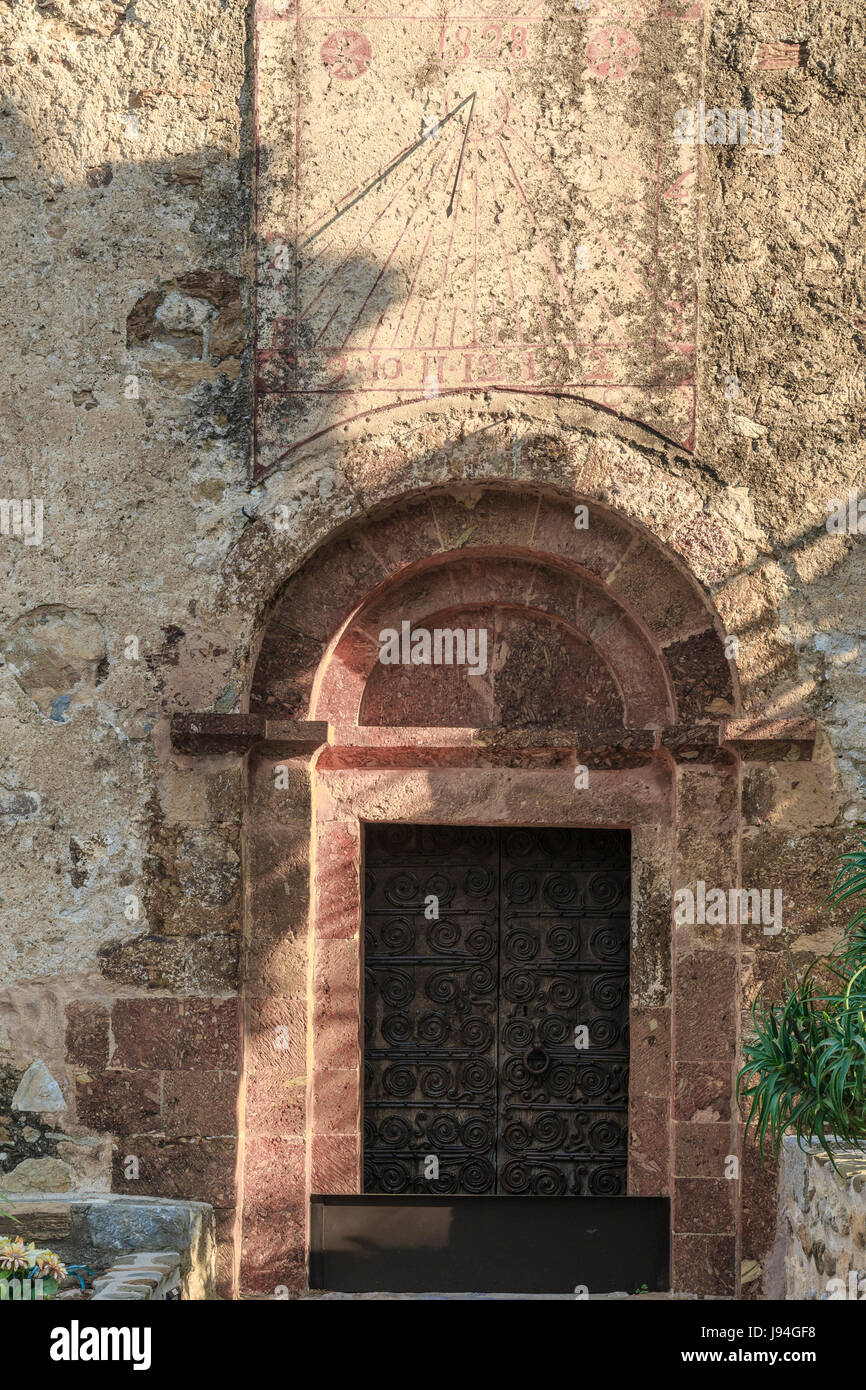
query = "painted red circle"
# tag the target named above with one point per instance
(346, 54)
(613, 53)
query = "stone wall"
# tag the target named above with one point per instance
(822, 1228)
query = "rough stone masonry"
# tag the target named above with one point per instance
(346, 297)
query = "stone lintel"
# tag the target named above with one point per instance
(771, 740)
(754, 740)
(236, 733)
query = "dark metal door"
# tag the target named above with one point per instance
(496, 1010)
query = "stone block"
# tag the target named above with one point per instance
(194, 1169)
(706, 1007)
(87, 1034)
(704, 1264)
(705, 1205)
(119, 1102)
(199, 1103)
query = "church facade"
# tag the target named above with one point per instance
(432, 648)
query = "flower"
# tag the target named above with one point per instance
(49, 1265)
(14, 1254)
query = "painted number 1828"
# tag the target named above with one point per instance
(466, 43)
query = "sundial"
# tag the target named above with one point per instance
(470, 195)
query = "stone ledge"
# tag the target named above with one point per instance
(144, 1276)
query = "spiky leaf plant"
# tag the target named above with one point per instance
(805, 1066)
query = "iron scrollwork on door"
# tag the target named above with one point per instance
(488, 955)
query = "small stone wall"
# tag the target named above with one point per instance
(146, 1275)
(138, 1248)
(822, 1225)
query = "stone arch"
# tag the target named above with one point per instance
(476, 444)
(616, 586)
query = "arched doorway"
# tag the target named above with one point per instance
(604, 655)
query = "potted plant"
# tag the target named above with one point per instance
(805, 1066)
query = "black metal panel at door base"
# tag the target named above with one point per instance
(519, 1245)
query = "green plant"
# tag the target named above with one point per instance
(805, 1066)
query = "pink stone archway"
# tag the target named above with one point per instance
(660, 766)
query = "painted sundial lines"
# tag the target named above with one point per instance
(349, 201)
(310, 307)
(477, 207)
(416, 210)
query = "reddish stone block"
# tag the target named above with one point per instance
(482, 583)
(200, 1102)
(703, 1092)
(760, 1198)
(275, 1183)
(208, 1034)
(87, 1034)
(435, 696)
(548, 676)
(337, 1039)
(336, 1101)
(336, 1163)
(145, 1033)
(777, 57)
(495, 517)
(669, 603)
(276, 1102)
(353, 667)
(279, 878)
(336, 979)
(644, 688)
(704, 1264)
(276, 1034)
(285, 671)
(649, 1147)
(700, 1150)
(597, 547)
(268, 1264)
(276, 965)
(199, 1170)
(330, 585)
(705, 1205)
(707, 813)
(706, 1006)
(650, 1052)
(119, 1102)
(404, 536)
(337, 891)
